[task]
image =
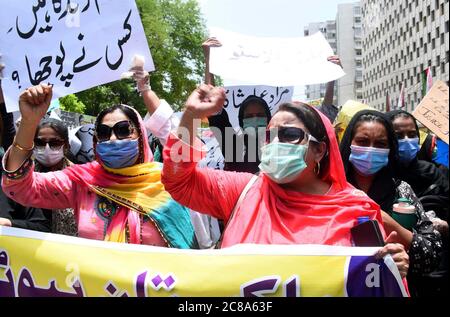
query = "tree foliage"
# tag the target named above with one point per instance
(175, 31)
(71, 103)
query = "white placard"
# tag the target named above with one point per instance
(273, 61)
(274, 96)
(74, 45)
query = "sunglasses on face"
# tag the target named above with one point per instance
(122, 130)
(291, 135)
(53, 143)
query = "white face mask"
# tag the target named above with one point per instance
(48, 157)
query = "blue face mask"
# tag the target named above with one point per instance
(368, 160)
(283, 162)
(255, 122)
(118, 153)
(408, 149)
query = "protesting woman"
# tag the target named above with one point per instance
(301, 196)
(119, 197)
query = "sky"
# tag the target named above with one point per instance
(269, 18)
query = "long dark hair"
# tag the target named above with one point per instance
(312, 121)
(384, 185)
(58, 126)
(392, 115)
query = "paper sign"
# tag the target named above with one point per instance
(72, 45)
(273, 61)
(273, 96)
(432, 112)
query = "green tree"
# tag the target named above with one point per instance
(71, 103)
(175, 31)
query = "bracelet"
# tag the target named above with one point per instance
(17, 146)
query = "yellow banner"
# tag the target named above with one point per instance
(38, 264)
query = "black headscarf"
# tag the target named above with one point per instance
(249, 100)
(394, 113)
(384, 185)
(423, 176)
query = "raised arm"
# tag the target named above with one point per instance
(208, 191)
(159, 119)
(210, 42)
(33, 105)
(52, 190)
(329, 93)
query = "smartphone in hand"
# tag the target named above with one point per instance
(367, 234)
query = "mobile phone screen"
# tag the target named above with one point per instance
(367, 234)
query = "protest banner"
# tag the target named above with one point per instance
(74, 46)
(432, 111)
(273, 61)
(48, 265)
(273, 96)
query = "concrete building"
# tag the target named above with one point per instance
(402, 38)
(328, 29)
(345, 37)
(349, 49)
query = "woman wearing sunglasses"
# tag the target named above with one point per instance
(301, 196)
(119, 197)
(51, 148)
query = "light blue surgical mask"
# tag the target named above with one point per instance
(118, 153)
(368, 160)
(408, 149)
(283, 162)
(255, 122)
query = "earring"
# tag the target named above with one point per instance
(317, 168)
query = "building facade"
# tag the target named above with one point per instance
(401, 39)
(345, 37)
(349, 49)
(328, 29)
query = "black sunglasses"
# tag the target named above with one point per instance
(53, 143)
(288, 135)
(122, 130)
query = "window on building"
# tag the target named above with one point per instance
(442, 39)
(442, 68)
(429, 37)
(425, 50)
(433, 44)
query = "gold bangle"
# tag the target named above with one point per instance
(17, 146)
